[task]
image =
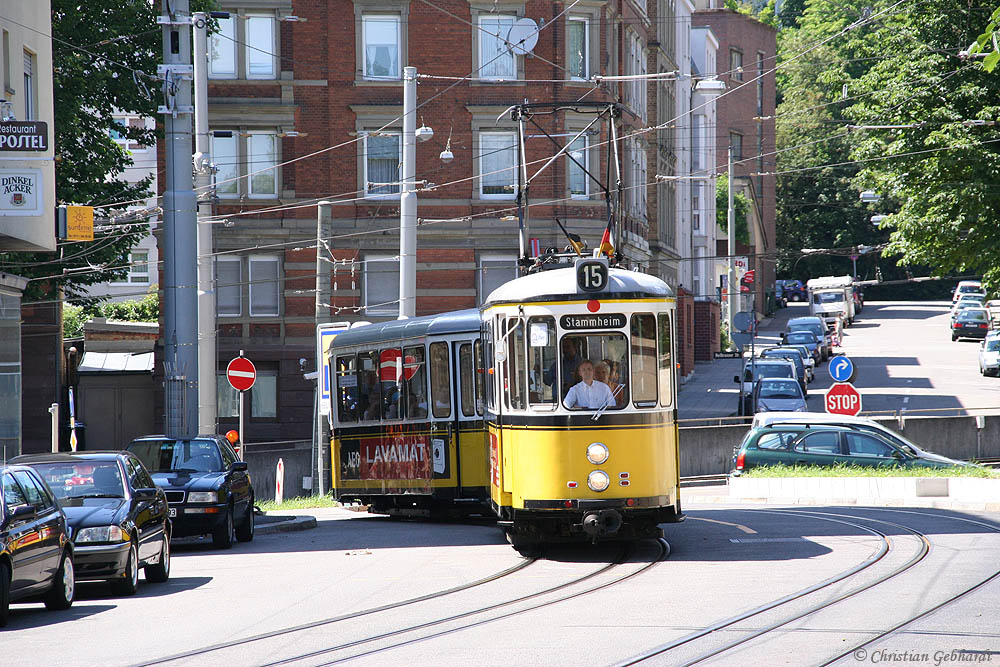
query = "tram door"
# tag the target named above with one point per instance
(443, 436)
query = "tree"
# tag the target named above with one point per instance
(104, 55)
(146, 309)
(741, 209)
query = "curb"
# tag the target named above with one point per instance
(287, 525)
(844, 502)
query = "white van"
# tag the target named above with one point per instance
(831, 297)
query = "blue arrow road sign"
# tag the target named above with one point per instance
(841, 369)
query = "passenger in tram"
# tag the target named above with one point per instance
(570, 365)
(589, 393)
(607, 372)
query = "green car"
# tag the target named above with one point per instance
(827, 445)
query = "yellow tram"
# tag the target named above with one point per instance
(581, 404)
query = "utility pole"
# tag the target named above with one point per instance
(408, 200)
(324, 213)
(731, 287)
(180, 225)
(203, 169)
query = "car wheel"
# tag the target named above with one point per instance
(60, 596)
(222, 537)
(4, 593)
(129, 583)
(160, 571)
(244, 532)
(954, 338)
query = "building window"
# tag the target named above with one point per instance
(244, 47)
(696, 205)
(579, 182)
(382, 160)
(265, 286)
(635, 197)
(256, 176)
(222, 50)
(381, 291)
(6, 61)
(262, 154)
(735, 64)
(497, 165)
(263, 403)
(635, 65)
(578, 48)
(496, 61)
(380, 44)
(494, 271)
(260, 47)
(120, 133)
(29, 86)
(138, 271)
(228, 285)
(760, 83)
(736, 143)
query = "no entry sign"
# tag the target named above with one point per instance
(843, 399)
(241, 374)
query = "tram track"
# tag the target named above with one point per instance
(625, 555)
(205, 650)
(921, 553)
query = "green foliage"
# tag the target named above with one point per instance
(299, 503)
(987, 41)
(844, 470)
(146, 309)
(741, 207)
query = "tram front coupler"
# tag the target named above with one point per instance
(601, 524)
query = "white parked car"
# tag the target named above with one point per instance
(966, 287)
(989, 356)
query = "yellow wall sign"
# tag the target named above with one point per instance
(80, 223)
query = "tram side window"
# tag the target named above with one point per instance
(489, 359)
(666, 366)
(390, 375)
(594, 371)
(440, 380)
(477, 356)
(541, 360)
(347, 389)
(416, 384)
(515, 368)
(467, 379)
(369, 387)
(644, 360)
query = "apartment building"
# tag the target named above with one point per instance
(305, 105)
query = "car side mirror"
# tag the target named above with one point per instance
(145, 494)
(238, 466)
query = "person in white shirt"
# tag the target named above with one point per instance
(589, 393)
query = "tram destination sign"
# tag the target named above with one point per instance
(24, 135)
(595, 321)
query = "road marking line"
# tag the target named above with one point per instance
(745, 529)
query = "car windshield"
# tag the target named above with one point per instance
(768, 371)
(993, 345)
(85, 479)
(814, 328)
(805, 337)
(779, 389)
(828, 297)
(178, 455)
(963, 289)
(973, 316)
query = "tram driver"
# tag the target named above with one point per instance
(589, 393)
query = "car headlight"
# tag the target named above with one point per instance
(598, 480)
(597, 453)
(203, 497)
(101, 534)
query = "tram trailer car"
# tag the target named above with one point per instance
(568, 463)
(407, 416)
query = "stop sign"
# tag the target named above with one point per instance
(241, 373)
(843, 399)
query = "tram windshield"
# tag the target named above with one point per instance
(593, 371)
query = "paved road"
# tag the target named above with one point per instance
(575, 607)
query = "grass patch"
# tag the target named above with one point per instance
(300, 503)
(844, 470)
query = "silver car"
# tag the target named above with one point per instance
(989, 356)
(778, 395)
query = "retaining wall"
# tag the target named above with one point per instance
(262, 459)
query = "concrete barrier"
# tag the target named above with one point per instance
(708, 450)
(262, 458)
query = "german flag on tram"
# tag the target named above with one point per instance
(606, 246)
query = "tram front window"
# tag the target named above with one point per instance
(594, 371)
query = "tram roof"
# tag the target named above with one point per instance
(560, 284)
(458, 321)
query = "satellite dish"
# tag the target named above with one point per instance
(522, 37)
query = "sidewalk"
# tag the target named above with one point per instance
(711, 392)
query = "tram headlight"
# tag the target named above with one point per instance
(597, 453)
(598, 480)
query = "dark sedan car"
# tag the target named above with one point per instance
(36, 556)
(207, 486)
(829, 444)
(970, 323)
(117, 517)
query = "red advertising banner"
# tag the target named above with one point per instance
(396, 457)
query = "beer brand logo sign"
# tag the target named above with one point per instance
(20, 192)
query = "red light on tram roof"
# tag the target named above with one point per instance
(593, 305)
